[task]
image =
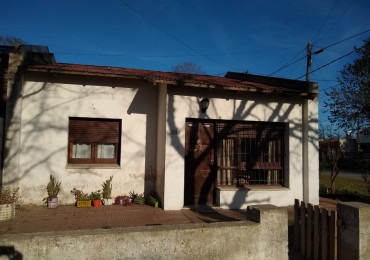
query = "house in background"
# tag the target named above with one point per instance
(230, 141)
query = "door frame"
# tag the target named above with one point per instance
(212, 165)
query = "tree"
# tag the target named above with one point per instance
(349, 104)
(10, 41)
(333, 147)
(188, 67)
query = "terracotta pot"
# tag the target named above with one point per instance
(96, 203)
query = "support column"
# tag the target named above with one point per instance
(310, 148)
(305, 180)
(161, 139)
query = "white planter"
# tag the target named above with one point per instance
(107, 202)
(7, 211)
(52, 203)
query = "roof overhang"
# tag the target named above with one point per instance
(232, 81)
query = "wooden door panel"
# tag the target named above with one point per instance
(199, 156)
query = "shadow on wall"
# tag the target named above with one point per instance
(241, 197)
(143, 103)
(41, 122)
(10, 252)
(240, 112)
(12, 130)
(33, 129)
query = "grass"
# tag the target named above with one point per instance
(342, 183)
(347, 187)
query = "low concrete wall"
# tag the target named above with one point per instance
(264, 236)
(353, 230)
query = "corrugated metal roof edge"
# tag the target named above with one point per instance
(174, 78)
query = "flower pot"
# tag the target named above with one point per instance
(97, 203)
(7, 211)
(52, 203)
(107, 202)
(83, 203)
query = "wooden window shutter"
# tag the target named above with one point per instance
(91, 130)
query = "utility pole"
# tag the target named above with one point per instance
(309, 60)
(305, 166)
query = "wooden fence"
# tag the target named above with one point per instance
(315, 231)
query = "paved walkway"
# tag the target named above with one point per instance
(40, 219)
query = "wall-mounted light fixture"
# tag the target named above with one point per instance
(203, 104)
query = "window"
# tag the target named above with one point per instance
(366, 131)
(94, 141)
(250, 153)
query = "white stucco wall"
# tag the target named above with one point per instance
(182, 105)
(46, 108)
(152, 149)
(313, 152)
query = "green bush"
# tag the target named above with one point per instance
(137, 198)
(153, 199)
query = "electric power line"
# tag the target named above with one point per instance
(336, 43)
(319, 51)
(326, 19)
(287, 65)
(172, 36)
(167, 56)
(339, 18)
(327, 64)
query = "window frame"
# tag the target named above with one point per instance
(242, 171)
(94, 132)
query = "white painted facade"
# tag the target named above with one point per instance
(182, 104)
(152, 138)
(42, 143)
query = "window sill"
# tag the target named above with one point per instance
(93, 166)
(253, 187)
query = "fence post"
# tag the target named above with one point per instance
(333, 235)
(353, 230)
(316, 234)
(297, 228)
(303, 228)
(309, 230)
(324, 234)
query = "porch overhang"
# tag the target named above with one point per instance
(239, 82)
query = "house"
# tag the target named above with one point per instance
(354, 147)
(229, 141)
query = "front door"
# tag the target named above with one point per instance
(199, 163)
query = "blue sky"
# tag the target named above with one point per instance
(256, 36)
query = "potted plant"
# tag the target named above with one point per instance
(137, 198)
(52, 189)
(95, 196)
(153, 199)
(82, 199)
(123, 200)
(107, 191)
(8, 199)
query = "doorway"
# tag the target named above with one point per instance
(199, 163)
